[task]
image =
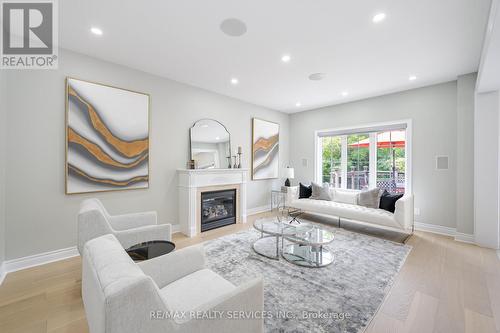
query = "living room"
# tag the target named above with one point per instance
(250, 166)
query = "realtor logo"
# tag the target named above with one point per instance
(29, 34)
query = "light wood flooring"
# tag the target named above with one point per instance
(444, 286)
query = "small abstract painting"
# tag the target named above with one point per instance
(107, 138)
(265, 149)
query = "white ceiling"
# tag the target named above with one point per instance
(434, 39)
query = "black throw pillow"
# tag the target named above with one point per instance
(304, 191)
(388, 201)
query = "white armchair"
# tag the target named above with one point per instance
(164, 294)
(130, 229)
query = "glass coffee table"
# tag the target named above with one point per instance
(306, 248)
(270, 233)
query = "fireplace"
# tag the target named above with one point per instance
(218, 209)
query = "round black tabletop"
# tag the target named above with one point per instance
(149, 250)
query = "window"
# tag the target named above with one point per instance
(358, 160)
(331, 163)
(364, 158)
(391, 161)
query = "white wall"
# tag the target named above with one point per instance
(487, 136)
(433, 110)
(465, 152)
(3, 146)
(40, 217)
(486, 172)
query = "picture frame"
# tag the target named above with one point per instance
(265, 149)
(107, 144)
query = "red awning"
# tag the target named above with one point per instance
(395, 139)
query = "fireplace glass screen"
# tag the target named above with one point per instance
(218, 209)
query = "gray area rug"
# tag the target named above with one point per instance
(341, 297)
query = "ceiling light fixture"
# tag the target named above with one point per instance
(298, 104)
(412, 78)
(317, 76)
(344, 93)
(234, 81)
(286, 58)
(379, 17)
(233, 27)
(96, 31)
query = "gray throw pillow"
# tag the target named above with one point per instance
(369, 198)
(321, 192)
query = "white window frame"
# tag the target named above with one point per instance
(382, 126)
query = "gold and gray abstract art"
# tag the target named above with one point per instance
(265, 149)
(107, 138)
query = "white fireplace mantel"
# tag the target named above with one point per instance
(192, 181)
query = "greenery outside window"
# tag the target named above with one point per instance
(364, 159)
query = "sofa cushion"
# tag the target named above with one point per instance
(348, 211)
(321, 192)
(193, 290)
(369, 198)
(388, 201)
(305, 191)
(345, 196)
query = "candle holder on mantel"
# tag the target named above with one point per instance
(235, 165)
(239, 157)
(229, 162)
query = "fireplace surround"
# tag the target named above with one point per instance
(192, 183)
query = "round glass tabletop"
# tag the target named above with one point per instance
(278, 228)
(313, 236)
(308, 256)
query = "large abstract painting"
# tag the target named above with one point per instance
(265, 149)
(107, 138)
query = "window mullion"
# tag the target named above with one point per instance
(343, 162)
(373, 161)
(319, 165)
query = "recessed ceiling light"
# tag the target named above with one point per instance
(234, 81)
(412, 78)
(286, 58)
(217, 138)
(317, 76)
(96, 31)
(378, 17)
(344, 93)
(298, 104)
(233, 27)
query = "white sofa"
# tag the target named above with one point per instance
(130, 229)
(121, 296)
(400, 220)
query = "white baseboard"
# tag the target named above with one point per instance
(466, 238)
(435, 229)
(257, 210)
(13, 265)
(176, 228)
(446, 231)
(2, 273)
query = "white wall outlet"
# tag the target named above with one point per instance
(304, 162)
(416, 211)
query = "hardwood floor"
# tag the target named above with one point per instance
(444, 286)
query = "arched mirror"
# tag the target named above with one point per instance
(210, 144)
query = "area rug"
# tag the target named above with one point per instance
(341, 297)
